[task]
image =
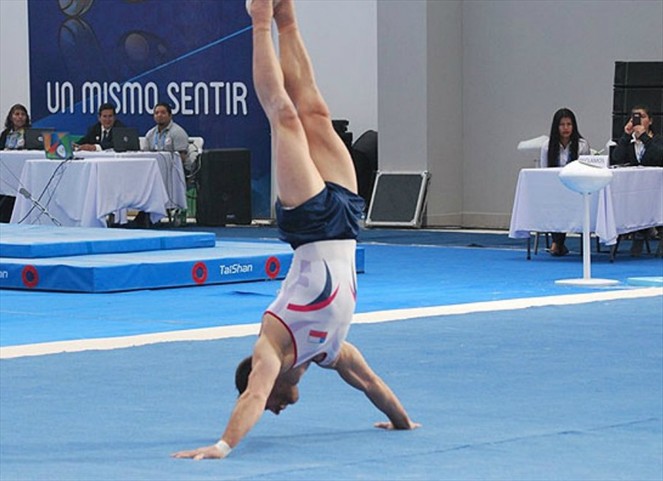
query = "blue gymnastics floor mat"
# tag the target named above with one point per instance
(223, 263)
(226, 263)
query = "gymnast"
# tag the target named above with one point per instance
(318, 212)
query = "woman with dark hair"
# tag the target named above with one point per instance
(564, 146)
(18, 120)
(13, 138)
(566, 143)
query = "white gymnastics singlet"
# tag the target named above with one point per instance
(317, 299)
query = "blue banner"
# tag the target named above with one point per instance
(193, 54)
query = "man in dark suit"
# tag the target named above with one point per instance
(100, 135)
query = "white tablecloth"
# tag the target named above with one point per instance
(11, 165)
(84, 192)
(632, 201)
(170, 166)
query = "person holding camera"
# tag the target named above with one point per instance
(638, 145)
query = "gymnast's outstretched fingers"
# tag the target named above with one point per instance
(389, 426)
(206, 452)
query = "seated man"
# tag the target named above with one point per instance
(166, 135)
(318, 212)
(100, 135)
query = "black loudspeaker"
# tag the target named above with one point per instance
(224, 187)
(637, 83)
(625, 98)
(638, 74)
(341, 128)
(398, 199)
(365, 159)
(6, 208)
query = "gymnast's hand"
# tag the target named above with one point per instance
(388, 425)
(206, 452)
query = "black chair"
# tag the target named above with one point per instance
(632, 237)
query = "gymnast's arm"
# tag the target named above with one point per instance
(266, 366)
(354, 370)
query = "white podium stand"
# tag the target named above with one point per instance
(586, 175)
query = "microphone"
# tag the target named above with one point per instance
(24, 192)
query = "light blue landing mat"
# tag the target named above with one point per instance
(34, 241)
(228, 262)
(646, 281)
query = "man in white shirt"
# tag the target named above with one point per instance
(166, 135)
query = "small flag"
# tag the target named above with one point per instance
(317, 337)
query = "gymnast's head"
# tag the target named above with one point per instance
(283, 394)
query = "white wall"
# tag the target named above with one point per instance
(14, 67)
(341, 37)
(420, 89)
(402, 86)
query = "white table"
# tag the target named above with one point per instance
(11, 165)
(170, 166)
(83, 192)
(631, 202)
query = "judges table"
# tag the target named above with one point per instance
(83, 192)
(170, 166)
(632, 201)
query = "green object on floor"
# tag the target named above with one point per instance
(191, 197)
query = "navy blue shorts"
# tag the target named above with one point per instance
(334, 213)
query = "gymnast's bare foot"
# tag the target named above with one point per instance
(261, 11)
(284, 14)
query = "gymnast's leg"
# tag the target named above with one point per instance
(297, 177)
(326, 148)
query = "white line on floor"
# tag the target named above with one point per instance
(212, 333)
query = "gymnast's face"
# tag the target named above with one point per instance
(281, 397)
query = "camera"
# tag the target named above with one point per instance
(635, 120)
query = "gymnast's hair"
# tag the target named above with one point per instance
(242, 374)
